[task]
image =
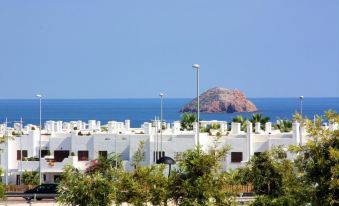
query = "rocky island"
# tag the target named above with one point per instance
(220, 99)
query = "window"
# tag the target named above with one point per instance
(18, 180)
(83, 155)
(178, 156)
(103, 154)
(18, 154)
(60, 155)
(56, 178)
(159, 154)
(236, 157)
(45, 152)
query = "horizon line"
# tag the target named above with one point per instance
(136, 98)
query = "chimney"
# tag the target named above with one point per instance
(249, 139)
(268, 127)
(257, 127)
(235, 127)
(296, 132)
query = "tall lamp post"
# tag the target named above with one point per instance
(161, 96)
(301, 123)
(197, 67)
(39, 96)
(301, 105)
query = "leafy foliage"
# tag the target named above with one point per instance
(259, 118)
(77, 188)
(139, 155)
(275, 180)
(318, 160)
(187, 121)
(242, 121)
(283, 125)
(30, 178)
(2, 188)
(144, 184)
(198, 179)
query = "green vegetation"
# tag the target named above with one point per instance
(2, 187)
(259, 118)
(198, 181)
(318, 160)
(30, 178)
(242, 121)
(187, 121)
(284, 125)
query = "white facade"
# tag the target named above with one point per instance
(77, 143)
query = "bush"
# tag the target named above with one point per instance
(30, 178)
(78, 188)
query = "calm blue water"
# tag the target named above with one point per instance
(141, 110)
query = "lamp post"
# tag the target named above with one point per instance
(39, 96)
(197, 67)
(301, 123)
(161, 96)
(168, 161)
(115, 149)
(6, 145)
(301, 105)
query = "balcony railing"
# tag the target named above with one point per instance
(48, 165)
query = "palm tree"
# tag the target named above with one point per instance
(187, 121)
(241, 120)
(283, 125)
(258, 117)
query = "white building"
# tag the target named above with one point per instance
(77, 143)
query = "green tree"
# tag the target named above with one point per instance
(242, 121)
(258, 117)
(144, 184)
(318, 160)
(283, 125)
(275, 179)
(139, 155)
(30, 178)
(104, 165)
(198, 180)
(2, 188)
(79, 188)
(187, 121)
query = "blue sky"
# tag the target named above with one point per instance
(135, 49)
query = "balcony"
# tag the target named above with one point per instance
(49, 166)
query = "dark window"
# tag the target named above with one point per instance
(83, 155)
(18, 180)
(236, 156)
(57, 178)
(18, 154)
(60, 155)
(44, 153)
(103, 154)
(159, 153)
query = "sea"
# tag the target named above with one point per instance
(143, 110)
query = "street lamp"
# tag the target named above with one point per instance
(301, 123)
(168, 161)
(161, 96)
(197, 67)
(301, 105)
(39, 96)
